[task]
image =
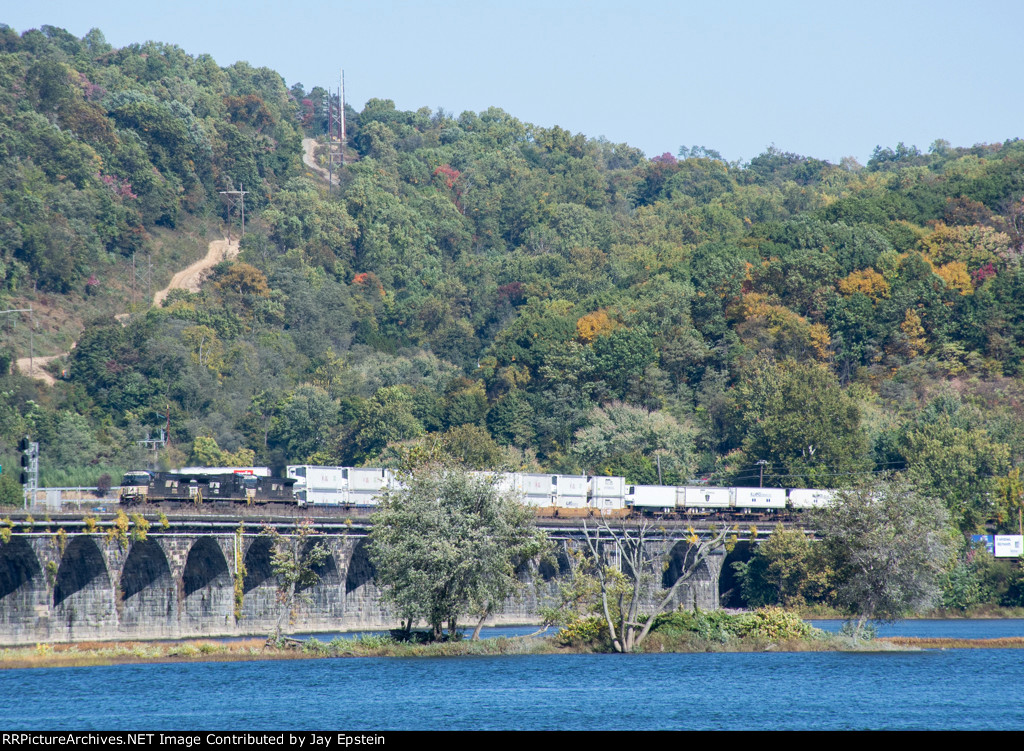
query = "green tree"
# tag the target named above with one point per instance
(950, 458)
(206, 453)
(295, 560)
(888, 546)
(784, 570)
(446, 544)
(621, 357)
(386, 418)
(798, 419)
(1010, 501)
(11, 493)
(619, 438)
(305, 420)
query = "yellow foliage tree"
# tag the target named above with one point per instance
(778, 327)
(866, 281)
(1010, 499)
(915, 339)
(955, 275)
(593, 325)
(973, 244)
(244, 279)
(206, 453)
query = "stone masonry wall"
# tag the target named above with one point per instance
(57, 588)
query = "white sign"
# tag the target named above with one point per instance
(1009, 546)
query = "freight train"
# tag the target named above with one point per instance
(548, 494)
(200, 486)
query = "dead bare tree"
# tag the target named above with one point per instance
(623, 588)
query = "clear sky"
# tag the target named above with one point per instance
(819, 78)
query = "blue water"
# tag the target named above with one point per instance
(941, 689)
(949, 629)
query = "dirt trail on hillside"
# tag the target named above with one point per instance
(309, 157)
(190, 279)
(34, 368)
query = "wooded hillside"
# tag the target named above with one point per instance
(530, 297)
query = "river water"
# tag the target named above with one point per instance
(932, 689)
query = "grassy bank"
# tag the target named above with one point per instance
(768, 629)
(122, 653)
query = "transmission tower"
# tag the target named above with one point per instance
(335, 108)
(142, 274)
(340, 118)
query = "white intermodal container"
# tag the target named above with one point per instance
(760, 498)
(700, 497)
(257, 471)
(365, 479)
(607, 493)
(570, 491)
(322, 486)
(810, 497)
(572, 485)
(607, 487)
(506, 482)
(327, 486)
(652, 497)
(538, 490)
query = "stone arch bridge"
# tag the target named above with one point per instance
(66, 580)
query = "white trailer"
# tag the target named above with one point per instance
(760, 498)
(810, 497)
(653, 498)
(366, 485)
(699, 497)
(607, 494)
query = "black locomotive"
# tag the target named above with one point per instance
(156, 487)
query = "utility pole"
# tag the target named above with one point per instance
(760, 482)
(31, 334)
(234, 198)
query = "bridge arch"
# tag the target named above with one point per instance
(81, 565)
(702, 584)
(206, 587)
(259, 585)
(18, 565)
(729, 592)
(83, 595)
(326, 570)
(553, 568)
(360, 569)
(23, 590)
(147, 588)
(258, 566)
